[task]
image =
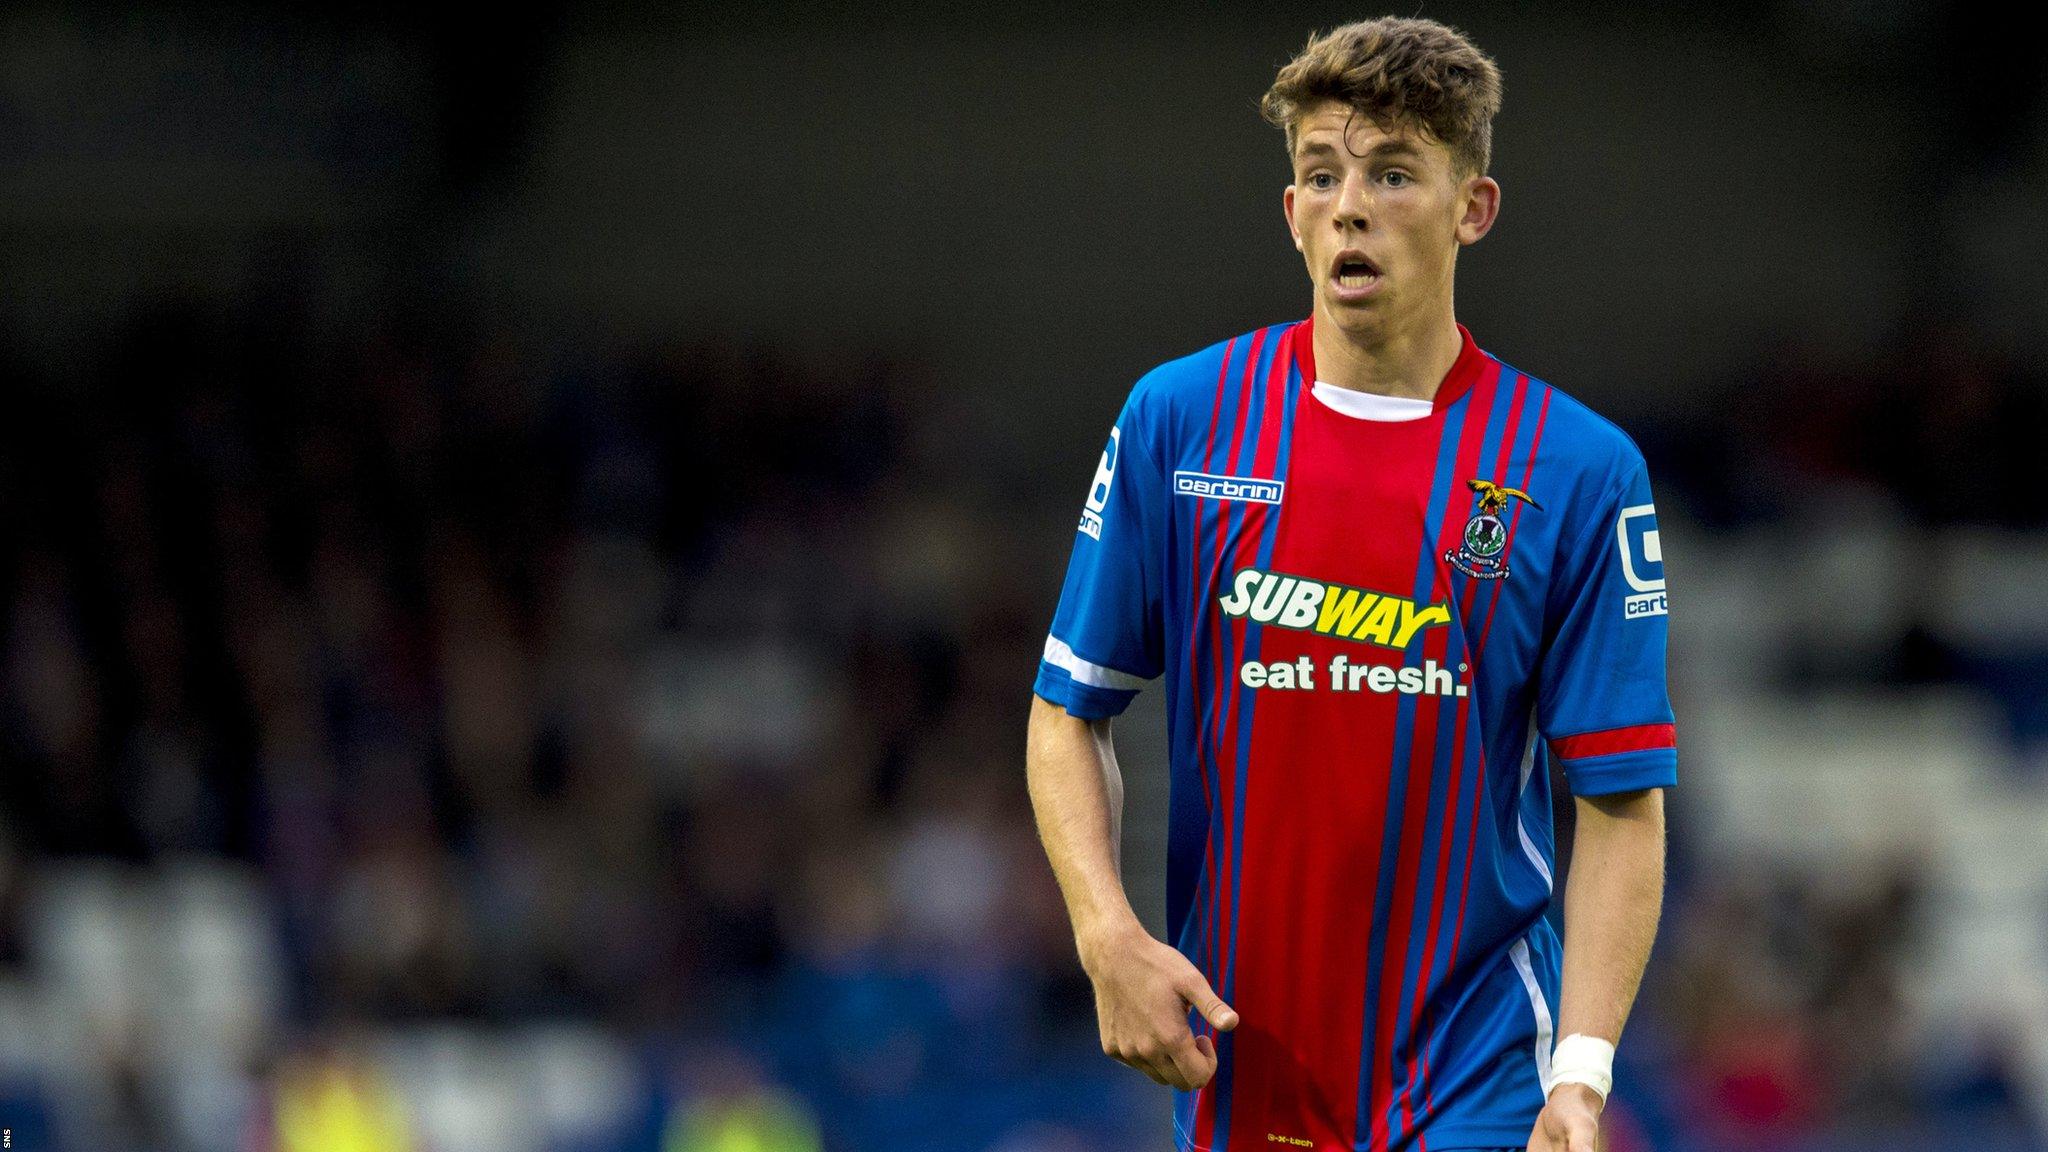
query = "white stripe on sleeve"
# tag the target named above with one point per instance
(1059, 655)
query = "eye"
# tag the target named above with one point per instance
(1396, 178)
(1322, 181)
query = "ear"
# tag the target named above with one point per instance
(1482, 206)
(1287, 206)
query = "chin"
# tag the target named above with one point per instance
(1359, 319)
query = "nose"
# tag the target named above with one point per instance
(1354, 203)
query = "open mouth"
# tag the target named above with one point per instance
(1354, 270)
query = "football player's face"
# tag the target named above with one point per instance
(1379, 217)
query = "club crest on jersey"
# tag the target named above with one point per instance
(1482, 552)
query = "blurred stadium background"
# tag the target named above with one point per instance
(527, 537)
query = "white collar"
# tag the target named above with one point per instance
(1371, 405)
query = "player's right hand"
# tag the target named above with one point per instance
(1143, 990)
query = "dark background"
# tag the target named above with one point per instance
(527, 537)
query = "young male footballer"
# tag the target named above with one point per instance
(1388, 579)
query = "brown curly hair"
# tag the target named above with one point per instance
(1396, 71)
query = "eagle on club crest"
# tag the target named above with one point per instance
(1483, 551)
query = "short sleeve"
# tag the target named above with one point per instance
(1603, 707)
(1106, 638)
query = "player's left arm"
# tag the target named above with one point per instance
(1605, 715)
(1612, 901)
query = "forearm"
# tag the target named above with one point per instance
(1611, 905)
(1077, 798)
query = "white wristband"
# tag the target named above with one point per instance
(1582, 1059)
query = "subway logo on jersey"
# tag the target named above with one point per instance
(1329, 609)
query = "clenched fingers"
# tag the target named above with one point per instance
(1135, 1056)
(1193, 1066)
(1183, 1064)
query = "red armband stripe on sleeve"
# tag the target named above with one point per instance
(1640, 738)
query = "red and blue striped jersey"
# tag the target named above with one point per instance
(1378, 621)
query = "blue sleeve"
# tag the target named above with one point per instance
(1602, 705)
(1106, 639)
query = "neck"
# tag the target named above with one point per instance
(1410, 363)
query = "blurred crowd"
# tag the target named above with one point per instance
(1894, 492)
(647, 690)
(678, 693)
